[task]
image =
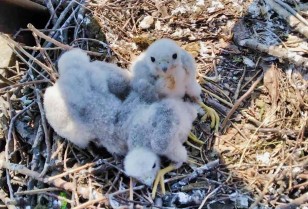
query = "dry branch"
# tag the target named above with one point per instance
(292, 20)
(60, 183)
(239, 101)
(201, 170)
(292, 11)
(57, 43)
(296, 202)
(275, 51)
(6, 200)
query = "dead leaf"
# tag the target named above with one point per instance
(271, 83)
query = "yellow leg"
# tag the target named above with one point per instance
(160, 179)
(212, 113)
(194, 138)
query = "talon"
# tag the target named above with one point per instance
(160, 179)
(213, 114)
(194, 138)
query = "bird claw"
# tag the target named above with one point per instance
(160, 179)
(212, 113)
(194, 138)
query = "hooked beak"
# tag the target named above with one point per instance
(164, 69)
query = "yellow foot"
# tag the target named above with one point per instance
(212, 113)
(194, 138)
(160, 179)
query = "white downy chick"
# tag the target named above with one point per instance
(80, 106)
(165, 70)
(161, 128)
(142, 164)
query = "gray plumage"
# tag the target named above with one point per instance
(165, 70)
(86, 105)
(80, 106)
(152, 129)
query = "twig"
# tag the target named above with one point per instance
(266, 187)
(61, 17)
(52, 11)
(273, 130)
(199, 171)
(59, 197)
(5, 80)
(208, 196)
(217, 97)
(6, 200)
(69, 172)
(296, 202)
(19, 47)
(9, 137)
(275, 51)
(37, 191)
(57, 43)
(46, 57)
(91, 202)
(60, 183)
(217, 106)
(239, 85)
(22, 84)
(251, 79)
(240, 100)
(111, 196)
(46, 133)
(30, 65)
(292, 20)
(36, 48)
(293, 12)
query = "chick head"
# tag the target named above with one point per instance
(163, 56)
(142, 164)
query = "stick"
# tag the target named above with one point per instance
(91, 202)
(208, 196)
(52, 11)
(22, 84)
(240, 100)
(292, 20)
(57, 43)
(69, 172)
(296, 202)
(6, 200)
(60, 183)
(37, 191)
(201, 170)
(292, 11)
(275, 51)
(266, 187)
(239, 85)
(46, 133)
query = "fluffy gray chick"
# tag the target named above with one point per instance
(165, 70)
(80, 106)
(159, 128)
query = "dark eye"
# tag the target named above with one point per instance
(174, 56)
(152, 59)
(154, 165)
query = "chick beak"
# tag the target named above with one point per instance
(164, 69)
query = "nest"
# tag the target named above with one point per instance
(259, 157)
